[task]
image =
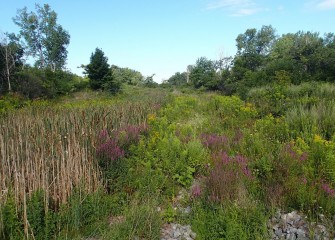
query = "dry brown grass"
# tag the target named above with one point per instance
(53, 149)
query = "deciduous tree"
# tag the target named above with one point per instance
(45, 39)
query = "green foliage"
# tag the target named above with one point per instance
(141, 221)
(98, 69)
(11, 53)
(111, 84)
(12, 101)
(149, 82)
(169, 214)
(203, 74)
(316, 119)
(263, 58)
(127, 76)
(230, 111)
(237, 160)
(178, 79)
(81, 212)
(43, 36)
(39, 83)
(11, 226)
(229, 221)
(36, 215)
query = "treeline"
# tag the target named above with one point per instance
(102, 76)
(43, 42)
(263, 58)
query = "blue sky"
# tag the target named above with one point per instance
(164, 36)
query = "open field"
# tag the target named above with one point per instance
(122, 167)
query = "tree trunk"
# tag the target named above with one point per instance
(7, 69)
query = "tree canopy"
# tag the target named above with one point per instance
(97, 69)
(45, 39)
(263, 58)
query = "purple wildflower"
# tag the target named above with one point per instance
(327, 189)
(196, 191)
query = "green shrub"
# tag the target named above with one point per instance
(308, 121)
(229, 222)
(11, 225)
(142, 221)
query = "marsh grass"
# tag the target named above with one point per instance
(53, 148)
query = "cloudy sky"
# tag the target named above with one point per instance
(164, 36)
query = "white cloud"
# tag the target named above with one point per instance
(229, 4)
(236, 7)
(326, 4)
(246, 11)
(320, 4)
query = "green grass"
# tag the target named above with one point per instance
(247, 160)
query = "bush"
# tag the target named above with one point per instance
(142, 221)
(36, 83)
(229, 221)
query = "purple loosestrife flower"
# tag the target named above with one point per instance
(113, 146)
(196, 191)
(303, 157)
(110, 150)
(327, 189)
(129, 134)
(214, 142)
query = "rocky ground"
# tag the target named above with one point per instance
(296, 226)
(291, 226)
(175, 231)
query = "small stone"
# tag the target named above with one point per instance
(187, 210)
(176, 234)
(193, 235)
(290, 215)
(278, 214)
(279, 232)
(301, 233)
(290, 236)
(275, 227)
(321, 228)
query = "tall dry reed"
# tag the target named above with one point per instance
(53, 148)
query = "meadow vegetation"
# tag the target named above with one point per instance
(68, 167)
(110, 155)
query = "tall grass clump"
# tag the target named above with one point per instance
(141, 221)
(316, 119)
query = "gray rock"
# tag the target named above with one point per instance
(321, 228)
(186, 210)
(193, 235)
(279, 232)
(275, 227)
(291, 236)
(301, 233)
(302, 238)
(176, 234)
